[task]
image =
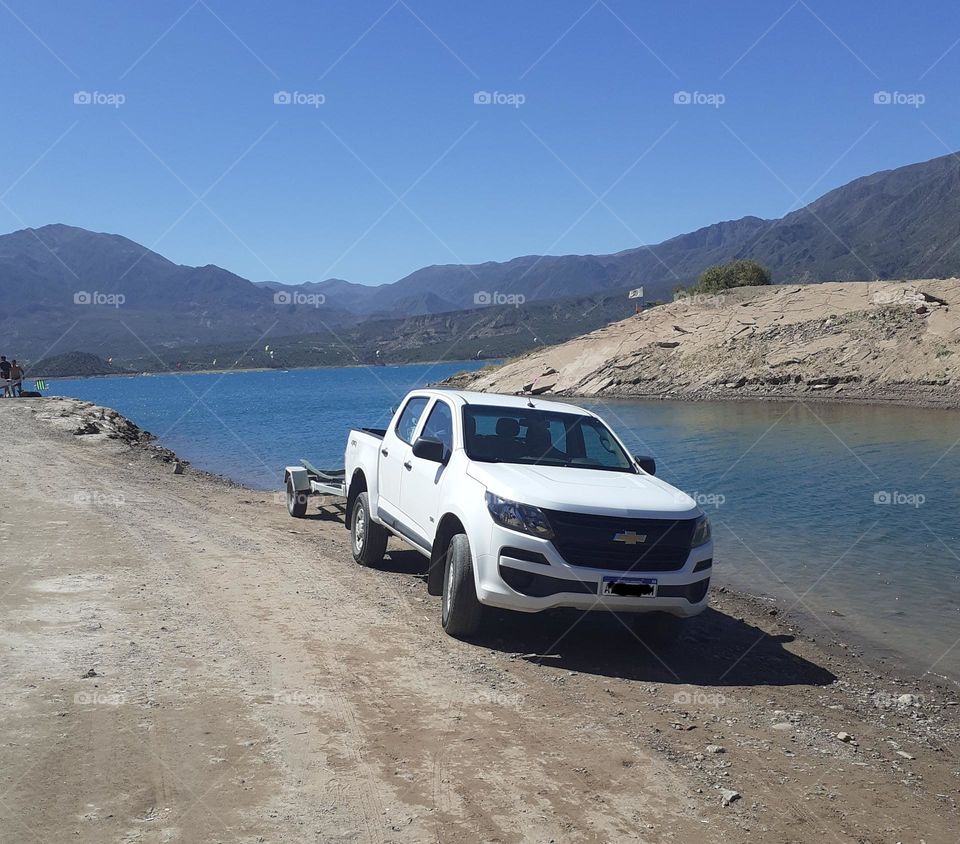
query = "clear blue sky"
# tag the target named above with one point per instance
(296, 192)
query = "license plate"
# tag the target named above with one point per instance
(629, 587)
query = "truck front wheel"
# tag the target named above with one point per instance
(461, 610)
(368, 539)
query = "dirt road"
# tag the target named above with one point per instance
(181, 661)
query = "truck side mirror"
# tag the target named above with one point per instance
(429, 448)
(648, 464)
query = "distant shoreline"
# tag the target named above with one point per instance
(235, 370)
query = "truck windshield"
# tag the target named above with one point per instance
(541, 438)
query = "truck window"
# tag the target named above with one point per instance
(439, 425)
(541, 437)
(599, 447)
(558, 434)
(407, 423)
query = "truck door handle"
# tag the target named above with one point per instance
(408, 465)
(384, 452)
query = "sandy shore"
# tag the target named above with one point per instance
(876, 342)
(181, 661)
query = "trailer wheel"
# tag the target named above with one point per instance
(461, 611)
(368, 540)
(296, 501)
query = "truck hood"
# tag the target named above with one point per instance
(585, 490)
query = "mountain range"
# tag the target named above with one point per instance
(76, 289)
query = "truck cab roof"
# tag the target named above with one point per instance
(465, 397)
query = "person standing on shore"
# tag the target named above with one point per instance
(16, 376)
(5, 375)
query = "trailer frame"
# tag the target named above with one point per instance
(306, 480)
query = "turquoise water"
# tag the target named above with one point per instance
(797, 493)
(249, 425)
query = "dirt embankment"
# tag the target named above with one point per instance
(181, 661)
(882, 341)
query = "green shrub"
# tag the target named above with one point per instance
(743, 273)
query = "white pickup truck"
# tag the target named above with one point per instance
(521, 504)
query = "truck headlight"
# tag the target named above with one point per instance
(519, 517)
(701, 533)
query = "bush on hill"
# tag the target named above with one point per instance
(742, 273)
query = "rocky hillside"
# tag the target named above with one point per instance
(71, 365)
(883, 341)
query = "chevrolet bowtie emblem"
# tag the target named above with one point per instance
(630, 537)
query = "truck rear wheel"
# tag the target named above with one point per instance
(461, 611)
(368, 540)
(296, 501)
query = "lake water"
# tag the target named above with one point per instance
(249, 425)
(848, 513)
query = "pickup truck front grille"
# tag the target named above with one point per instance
(621, 544)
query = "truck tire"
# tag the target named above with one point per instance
(368, 540)
(296, 501)
(461, 611)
